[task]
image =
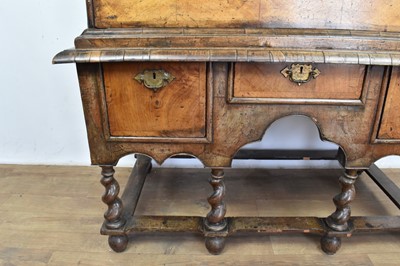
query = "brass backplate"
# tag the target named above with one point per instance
(154, 79)
(300, 73)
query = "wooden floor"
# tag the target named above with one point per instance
(51, 215)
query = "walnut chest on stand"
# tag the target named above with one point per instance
(204, 78)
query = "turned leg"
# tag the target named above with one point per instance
(338, 221)
(215, 222)
(113, 215)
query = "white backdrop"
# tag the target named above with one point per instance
(41, 114)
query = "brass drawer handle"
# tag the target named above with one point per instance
(300, 73)
(154, 79)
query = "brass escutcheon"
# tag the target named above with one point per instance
(154, 79)
(300, 73)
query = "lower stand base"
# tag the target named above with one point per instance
(215, 237)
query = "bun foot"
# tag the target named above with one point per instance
(330, 244)
(215, 245)
(118, 243)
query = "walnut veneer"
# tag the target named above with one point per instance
(206, 78)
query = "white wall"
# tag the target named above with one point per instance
(41, 115)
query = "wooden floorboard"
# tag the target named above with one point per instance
(51, 215)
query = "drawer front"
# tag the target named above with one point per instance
(264, 83)
(177, 110)
(390, 123)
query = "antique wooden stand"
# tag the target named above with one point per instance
(215, 227)
(205, 78)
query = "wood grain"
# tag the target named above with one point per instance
(243, 123)
(355, 41)
(390, 124)
(263, 80)
(177, 110)
(384, 258)
(266, 55)
(353, 14)
(174, 13)
(68, 258)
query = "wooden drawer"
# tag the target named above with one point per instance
(390, 123)
(354, 14)
(176, 111)
(264, 83)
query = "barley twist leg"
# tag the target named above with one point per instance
(338, 220)
(215, 220)
(113, 215)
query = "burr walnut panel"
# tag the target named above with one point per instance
(264, 82)
(353, 14)
(390, 124)
(177, 110)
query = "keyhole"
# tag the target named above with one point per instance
(301, 70)
(154, 75)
